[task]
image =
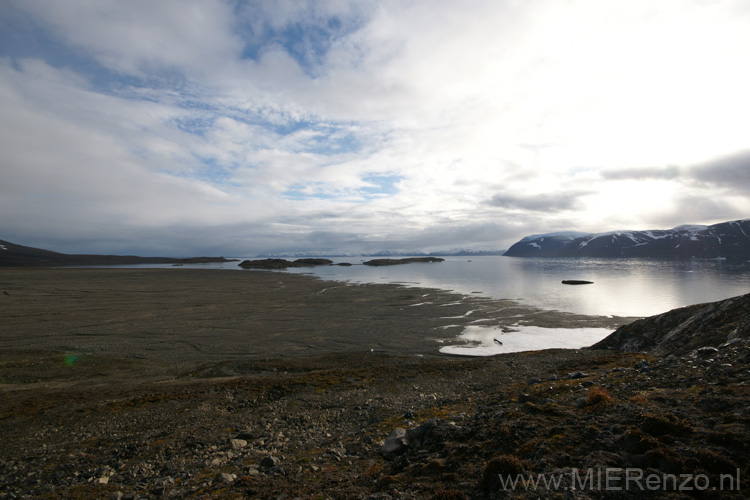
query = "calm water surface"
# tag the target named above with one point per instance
(622, 287)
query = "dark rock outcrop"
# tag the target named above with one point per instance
(681, 331)
(283, 263)
(727, 240)
(394, 262)
(431, 433)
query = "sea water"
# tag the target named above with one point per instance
(621, 287)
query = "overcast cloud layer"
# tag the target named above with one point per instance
(185, 127)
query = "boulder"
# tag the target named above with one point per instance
(395, 444)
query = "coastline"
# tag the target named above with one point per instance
(190, 315)
(140, 384)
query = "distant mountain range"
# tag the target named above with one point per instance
(12, 255)
(729, 240)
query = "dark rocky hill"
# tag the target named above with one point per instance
(725, 240)
(681, 331)
(12, 255)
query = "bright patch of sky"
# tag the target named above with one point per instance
(191, 127)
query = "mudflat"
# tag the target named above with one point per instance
(186, 383)
(165, 319)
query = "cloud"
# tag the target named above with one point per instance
(537, 203)
(643, 173)
(731, 171)
(272, 125)
(142, 38)
(701, 208)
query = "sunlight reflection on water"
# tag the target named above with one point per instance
(622, 287)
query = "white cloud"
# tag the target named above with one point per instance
(139, 37)
(400, 121)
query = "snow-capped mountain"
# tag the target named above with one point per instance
(727, 240)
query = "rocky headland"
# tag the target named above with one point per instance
(13, 255)
(191, 410)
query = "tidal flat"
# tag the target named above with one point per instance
(183, 383)
(164, 320)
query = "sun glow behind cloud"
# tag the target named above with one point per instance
(275, 126)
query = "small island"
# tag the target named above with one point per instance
(283, 263)
(395, 262)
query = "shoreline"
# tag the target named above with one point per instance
(132, 384)
(191, 315)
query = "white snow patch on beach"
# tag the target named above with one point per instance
(481, 340)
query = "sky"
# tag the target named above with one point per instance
(240, 128)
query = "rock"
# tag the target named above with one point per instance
(428, 433)
(224, 477)
(577, 282)
(421, 435)
(395, 444)
(643, 365)
(576, 375)
(729, 343)
(533, 381)
(527, 398)
(237, 444)
(681, 331)
(706, 352)
(270, 461)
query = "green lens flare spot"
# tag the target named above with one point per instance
(70, 359)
